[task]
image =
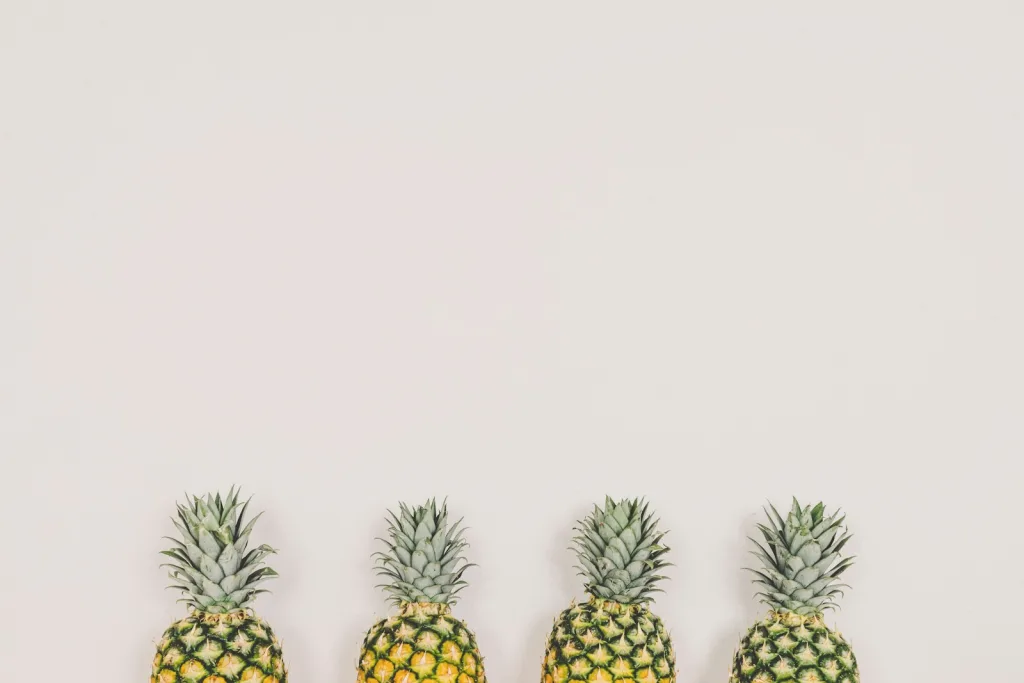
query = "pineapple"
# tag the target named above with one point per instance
(221, 640)
(614, 636)
(799, 579)
(423, 642)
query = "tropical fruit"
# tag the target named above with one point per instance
(614, 637)
(423, 566)
(799, 580)
(221, 640)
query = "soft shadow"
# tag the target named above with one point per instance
(351, 643)
(718, 664)
(530, 670)
(356, 626)
(562, 556)
(561, 559)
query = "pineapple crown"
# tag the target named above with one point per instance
(619, 550)
(800, 559)
(211, 564)
(424, 561)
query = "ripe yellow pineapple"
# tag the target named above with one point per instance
(221, 640)
(614, 637)
(423, 642)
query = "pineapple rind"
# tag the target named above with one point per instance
(785, 646)
(422, 643)
(580, 651)
(211, 648)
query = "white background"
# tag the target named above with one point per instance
(520, 257)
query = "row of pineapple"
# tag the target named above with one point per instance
(613, 637)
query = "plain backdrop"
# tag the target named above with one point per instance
(518, 256)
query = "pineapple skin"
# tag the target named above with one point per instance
(421, 643)
(601, 641)
(785, 646)
(219, 648)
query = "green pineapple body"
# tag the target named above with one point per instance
(614, 637)
(424, 642)
(790, 647)
(601, 641)
(219, 648)
(799, 573)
